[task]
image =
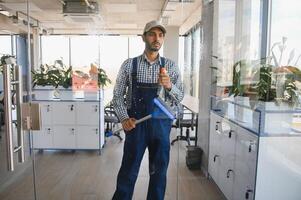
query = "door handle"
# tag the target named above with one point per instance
(8, 117)
(19, 101)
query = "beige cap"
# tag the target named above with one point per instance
(153, 24)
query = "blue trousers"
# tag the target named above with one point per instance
(154, 135)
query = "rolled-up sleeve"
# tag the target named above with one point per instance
(176, 91)
(122, 82)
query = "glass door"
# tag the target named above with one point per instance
(16, 160)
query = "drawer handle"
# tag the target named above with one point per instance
(216, 125)
(247, 193)
(228, 173)
(73, 132)
(214, 158)
(96, 131)
(96, 108)
(72, 107)
(250, 146)
(230, 133)
(48, 130)
(48, 108)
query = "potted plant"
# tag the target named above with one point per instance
(52, 77)
(242, 110)
(277, 90)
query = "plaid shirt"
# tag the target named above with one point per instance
(147, 73)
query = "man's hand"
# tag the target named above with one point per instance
(128, 124)
(164, 79)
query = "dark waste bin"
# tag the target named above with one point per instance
(193, 157)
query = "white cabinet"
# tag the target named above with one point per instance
(46, 113)
(43, 138)
(227, 155)
(87, 137)
(64, 137)
(63, 113)
(214, 150)
(245, 165)
(232, 158)
(87, 113)
(70, 125)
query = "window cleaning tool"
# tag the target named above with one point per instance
(161, 111)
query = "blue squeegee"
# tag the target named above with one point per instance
(161, 111)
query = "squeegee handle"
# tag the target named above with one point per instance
(137, 122)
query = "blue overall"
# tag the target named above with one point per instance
(153, 134)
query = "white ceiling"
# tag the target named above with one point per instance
(115, 16)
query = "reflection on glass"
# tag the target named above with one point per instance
(196, 36)
(285, 51)
(284, 24)
(225, 26)
(187, 65)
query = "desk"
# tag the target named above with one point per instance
(192, 104)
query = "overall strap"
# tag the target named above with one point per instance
(134, 81)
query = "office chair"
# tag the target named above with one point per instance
(111, 120)
(186, 119)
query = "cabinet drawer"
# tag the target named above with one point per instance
(46, 113)
(64, 113)
(87, 137)
(64, 137)
(43, 139)
(87, 113)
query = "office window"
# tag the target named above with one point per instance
(113, 52)
(181, 55)
(84, 51)
(195, 67)
(285, 25)
(187, 65)
(136, 46)
(5, 44)
(55, 48)
(248, 38)
(224, 28)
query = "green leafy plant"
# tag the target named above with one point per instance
(53, 75)
(103, 78)
(45, 76)
(237, 89)
(3, 62)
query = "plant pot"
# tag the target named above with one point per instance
(66, 94)
(243, 112)
(91, 95)
(274, 118)
(230, 108)
(43, 92)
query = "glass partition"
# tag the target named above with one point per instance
(17, 178)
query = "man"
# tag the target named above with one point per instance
(141, 81)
